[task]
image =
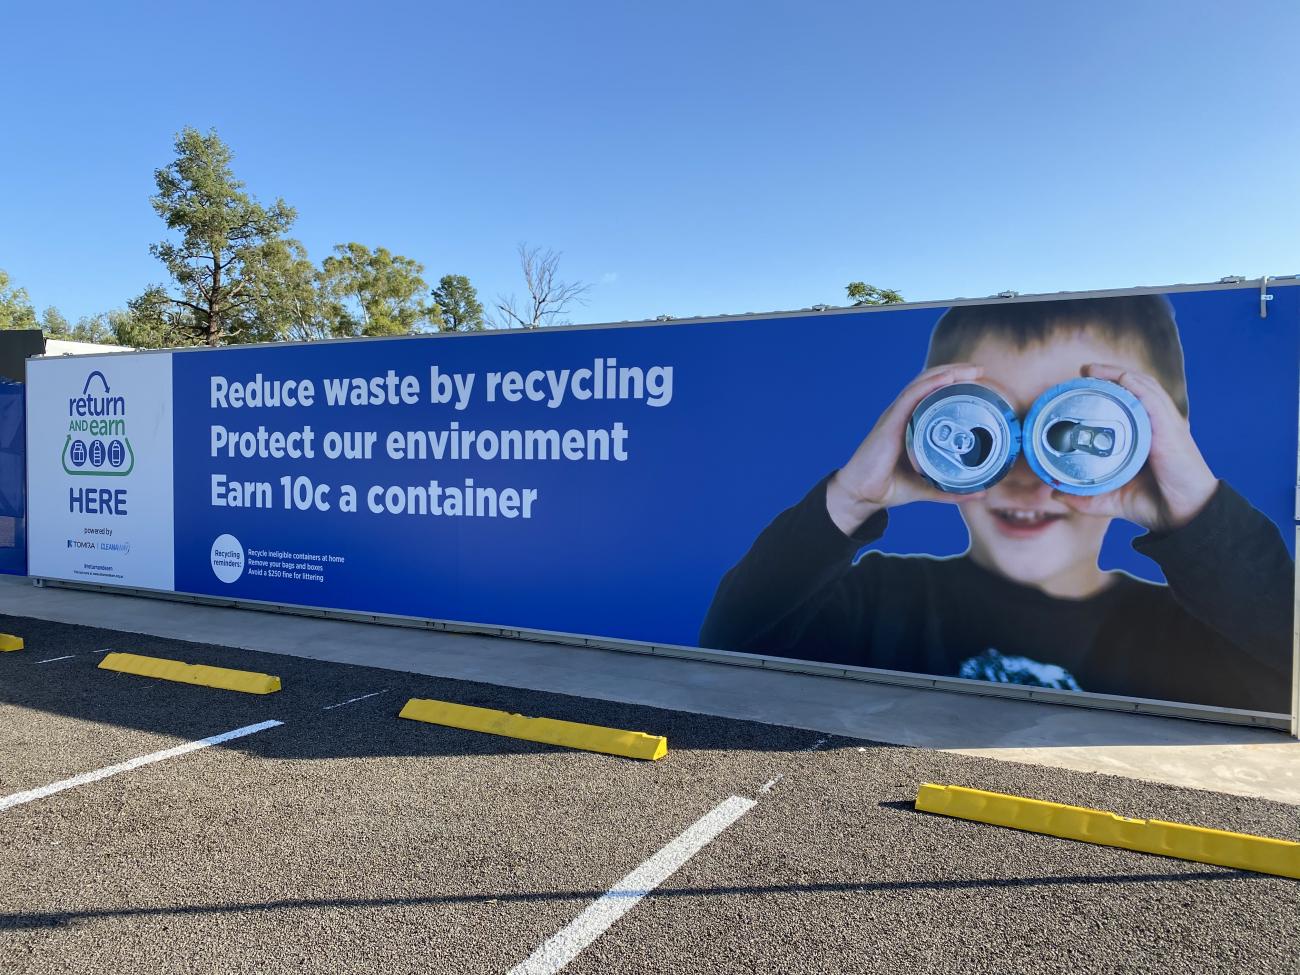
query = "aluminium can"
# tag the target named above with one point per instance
(963, 438)
(1087, 436)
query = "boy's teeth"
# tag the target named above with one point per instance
(1024, 517)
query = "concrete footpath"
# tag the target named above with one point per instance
(1220, 758)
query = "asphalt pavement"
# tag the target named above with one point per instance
(347, 840)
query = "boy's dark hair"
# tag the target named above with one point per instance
(1142, 321)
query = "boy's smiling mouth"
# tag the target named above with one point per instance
(1025, 522)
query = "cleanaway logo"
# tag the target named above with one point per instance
(97, 444)
(124, 547)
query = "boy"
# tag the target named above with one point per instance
(1027, 602)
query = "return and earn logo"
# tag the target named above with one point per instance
(97, 444)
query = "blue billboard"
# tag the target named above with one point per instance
(744, 485)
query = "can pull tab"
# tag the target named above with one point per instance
(1080, 436)
(968, 446)
(952, 438)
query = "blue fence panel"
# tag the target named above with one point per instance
(13, 480)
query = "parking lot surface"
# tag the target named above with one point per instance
(347, 840)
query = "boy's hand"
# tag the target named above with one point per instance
(879, 475)
(1175, 484)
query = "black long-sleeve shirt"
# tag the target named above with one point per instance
(1220, 633)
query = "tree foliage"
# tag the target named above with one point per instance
(549, 298)
(100, 329)
(861, 293)
(375, 293)
(235, 276)
(16, 309)
(223, 232)
(458, 306)
(288, 300)
(153, 321)
(55, 325)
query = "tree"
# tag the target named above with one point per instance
(94, 328)
(16, 310)
(222, 230)
(55, 325)
(458, 305)
(97, 329)
(374, 293)
(153, 320)
(548, 297)
(288, 302)
(861, 293)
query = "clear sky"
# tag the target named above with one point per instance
(688, 158)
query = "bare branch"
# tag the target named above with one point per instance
(510, 317)
(548, 297)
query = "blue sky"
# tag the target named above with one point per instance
(687, 158)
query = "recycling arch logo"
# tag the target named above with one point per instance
(97, 444)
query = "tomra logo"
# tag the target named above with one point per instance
(97, 444)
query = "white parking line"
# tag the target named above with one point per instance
(353, 700)
(50, 660)
(18, 798)
(562, 947)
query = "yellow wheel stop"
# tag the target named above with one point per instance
(160, 668)
(1241, 851)
(549, 731)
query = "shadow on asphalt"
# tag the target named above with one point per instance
(53, 919)
(75, 688)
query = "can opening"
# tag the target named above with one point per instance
(1059, 436)
(980, 450)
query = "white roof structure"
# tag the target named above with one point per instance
(64, 347)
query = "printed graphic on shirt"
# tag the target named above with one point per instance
(991, 665)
